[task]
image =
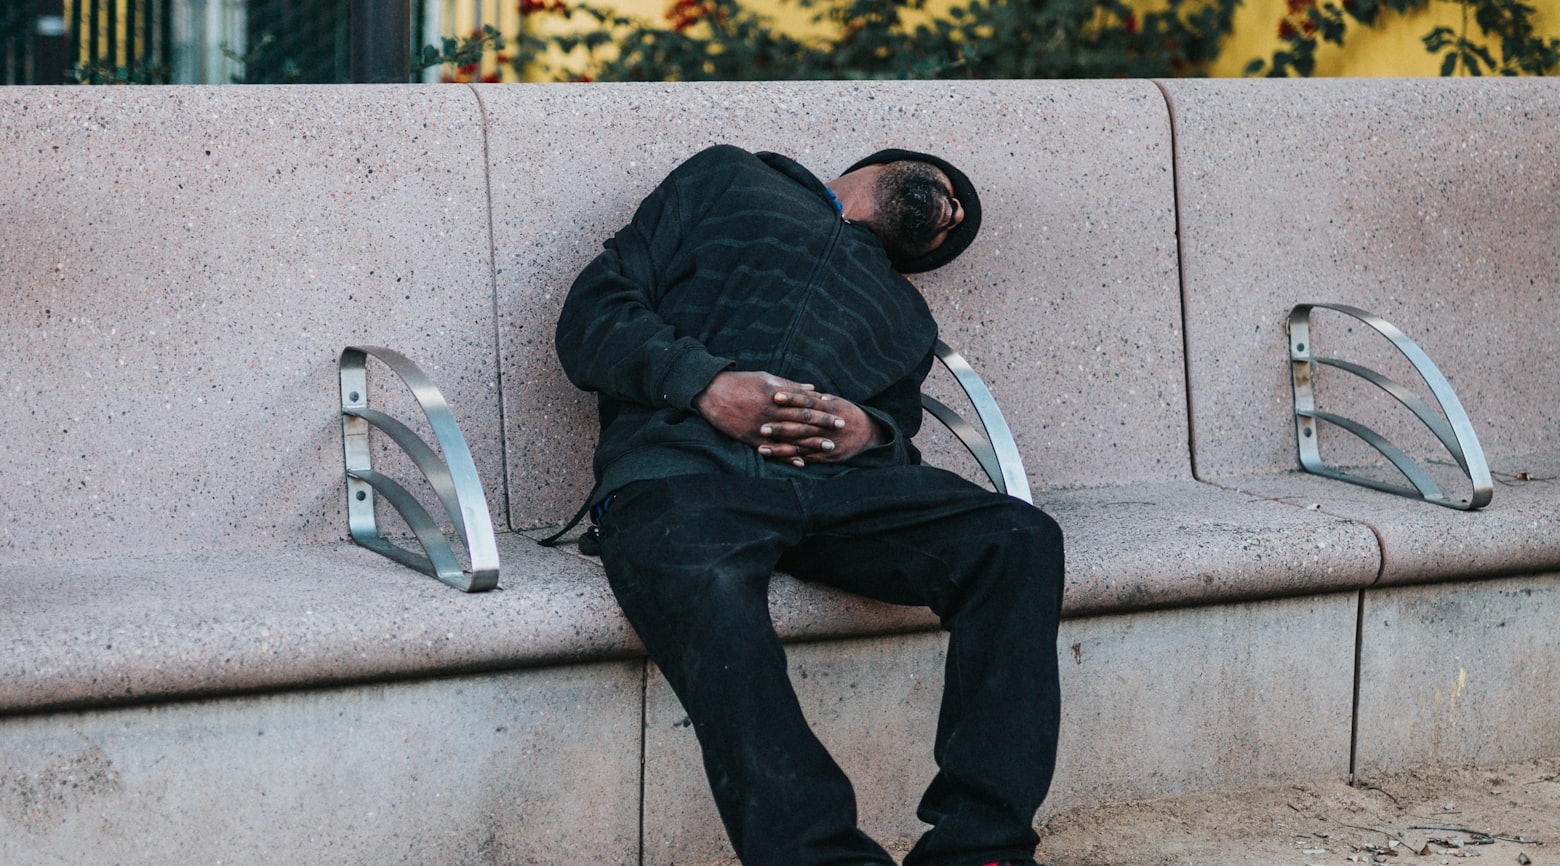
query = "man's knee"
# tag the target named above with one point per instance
(1032, 527)
(1036, 545)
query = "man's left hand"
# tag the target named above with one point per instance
(854, 430)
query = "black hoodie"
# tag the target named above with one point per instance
(739, 261)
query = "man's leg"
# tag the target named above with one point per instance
(992, 568)
(690, 560)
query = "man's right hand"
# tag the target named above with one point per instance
(785, 420)
(774, 415)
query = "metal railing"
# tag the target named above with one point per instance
(453, 478)
(1454, 431)
(992, 446)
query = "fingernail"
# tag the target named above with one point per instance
(765, 451)
(828, 445)
(765, 430)
(839, 423)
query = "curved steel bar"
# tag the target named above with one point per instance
(439, 560)
(979, 447)
(999, 437)
(454, 479)
(1427, 416)
(1424, 486)
(426, 460)
(1455, 431)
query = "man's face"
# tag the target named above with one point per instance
(916, 207)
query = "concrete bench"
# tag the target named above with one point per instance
(1432, 204)
(181, 616)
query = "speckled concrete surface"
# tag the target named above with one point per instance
(1420, 542)
(157, 628)
(1460, 674)
(1145, 546)
(1222, 697)
(1428, 202)
(181, 273)
(181, 268)
(511, 768)
(220, 623)
(1067, 304)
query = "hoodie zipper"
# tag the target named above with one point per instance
(807, 295)
(760, 469)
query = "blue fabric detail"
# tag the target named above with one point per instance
(835, 199)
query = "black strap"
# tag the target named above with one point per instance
(552, 540)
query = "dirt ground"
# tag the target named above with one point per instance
(1505, 815)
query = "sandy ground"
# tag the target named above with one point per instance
(1506, 815)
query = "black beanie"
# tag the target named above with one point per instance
(962, 234)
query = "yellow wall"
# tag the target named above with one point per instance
(1392, 48)
(466, 17)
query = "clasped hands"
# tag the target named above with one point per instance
(786, 420)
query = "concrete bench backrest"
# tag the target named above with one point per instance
(1067, 304)
(1430, 203)
(182, 267)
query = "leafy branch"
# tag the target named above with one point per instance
(1508, 24)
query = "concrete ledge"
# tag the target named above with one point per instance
(1144, 546)
(1518, 533)
(157, 629)
(503, 768)
(1460, 674)
(145, 629)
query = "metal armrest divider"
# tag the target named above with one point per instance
(453, 479)
(994, 450)
(1455, 431)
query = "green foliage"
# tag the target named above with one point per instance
(723, 40)
(459, 51)
(729, 43)
(103, 72)
(1506, 23)
(860, 39)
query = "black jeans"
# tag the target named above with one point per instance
(690, 559)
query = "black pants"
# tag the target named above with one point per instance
(690, 559)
